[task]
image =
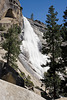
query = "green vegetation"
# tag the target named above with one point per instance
(32, 16)
(2, 28)
(50, 82)
(55, 78)
(53, 38)
(64, 55)
(12, 45)
(55, 35)
(64, 27)
(27, 80)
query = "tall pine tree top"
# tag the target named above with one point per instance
(53, 32)
(51, 17)
(64, 28)
(65, 17)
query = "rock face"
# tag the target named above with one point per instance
(62, 99)
(39, 25)
(10, 12)
(9, 91)
(11, 75)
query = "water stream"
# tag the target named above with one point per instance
(30, 45)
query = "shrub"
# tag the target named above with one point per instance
(27, 80)
(2, 28)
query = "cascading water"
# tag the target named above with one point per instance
(30, 45)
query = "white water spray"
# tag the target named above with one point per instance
(30, 44)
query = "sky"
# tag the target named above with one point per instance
(40, 8)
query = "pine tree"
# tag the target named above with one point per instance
(32, 16)
(64, 28)
(65, 18)
(65, 39)
(64, 54)
(12, 45)
(53, 37)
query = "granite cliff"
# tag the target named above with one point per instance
(10, 13)
(9, 91)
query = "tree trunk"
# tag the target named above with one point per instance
(53, 65)
(8, 55)
(54, 88)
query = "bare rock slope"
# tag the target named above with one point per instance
(9, 91)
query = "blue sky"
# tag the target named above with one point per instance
(40, 8)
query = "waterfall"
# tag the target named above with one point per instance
(30, 45)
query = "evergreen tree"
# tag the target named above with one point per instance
(64, 54)
(65, 18)
(65, 39)
(12, 45)
(64, 28)
(52, 79)
(32, 16)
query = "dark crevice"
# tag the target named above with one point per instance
(9, 14)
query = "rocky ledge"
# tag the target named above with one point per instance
(9, 91)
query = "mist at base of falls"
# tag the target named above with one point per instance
(30, 48)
